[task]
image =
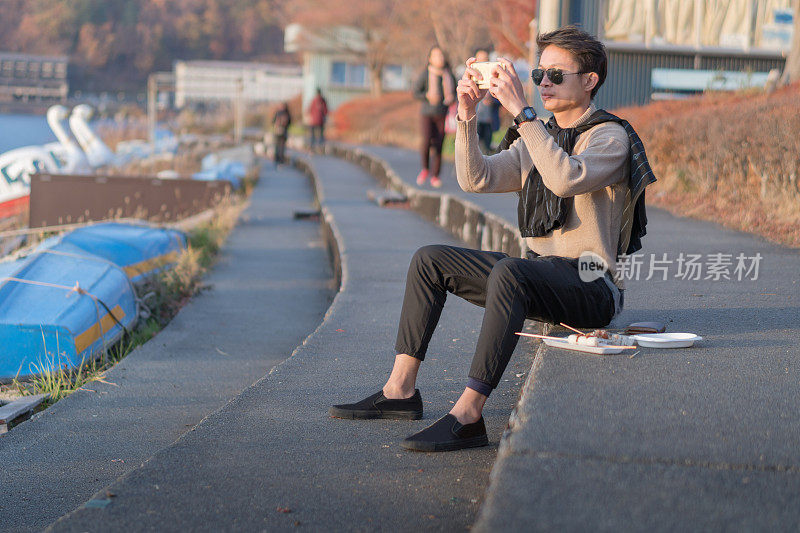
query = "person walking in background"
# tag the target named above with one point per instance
(280, 132)
(436, 87)
(317, 114)
(488, 112)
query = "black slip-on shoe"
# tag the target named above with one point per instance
(379, 406)
(448, 434)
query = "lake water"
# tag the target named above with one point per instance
(23, 130)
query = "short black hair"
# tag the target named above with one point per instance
(587, 50)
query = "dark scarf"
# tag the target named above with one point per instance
(540, 211)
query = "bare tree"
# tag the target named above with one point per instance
(384, 26)
(460, 26)
(402, 31)
(509, 26)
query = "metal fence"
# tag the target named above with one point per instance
(629, 71)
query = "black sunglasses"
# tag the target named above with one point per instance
(555, 75)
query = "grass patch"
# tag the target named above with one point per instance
(164, 294)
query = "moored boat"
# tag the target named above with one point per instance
(57, 311)
(140, 250)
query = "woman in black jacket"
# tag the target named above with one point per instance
(436, 87)
(280, 131)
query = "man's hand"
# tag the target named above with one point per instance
(468, 93)
(506, 86)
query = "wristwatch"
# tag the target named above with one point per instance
(526, 115)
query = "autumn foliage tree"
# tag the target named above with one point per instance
(404, 30)
(117, 43)
(388, 28)
(462, 26)
(509, 26)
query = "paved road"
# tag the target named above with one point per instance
(406, 164)
(272, 278)
(274, 448)
(687, 439)
(703, 438)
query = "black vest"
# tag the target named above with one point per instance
(540, 211)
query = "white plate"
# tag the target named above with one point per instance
(666, 340)
(600, 350)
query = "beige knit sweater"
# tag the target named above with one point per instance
(596, 175)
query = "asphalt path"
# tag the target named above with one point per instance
(272, 459)
(700, 438)
(268, 290)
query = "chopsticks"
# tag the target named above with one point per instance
(564, 339)
(540, 336)
(579, 332)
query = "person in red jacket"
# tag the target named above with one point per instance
(317, 113)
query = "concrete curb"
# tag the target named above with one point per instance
(478, 229)
(506, 449)
(440, 496)
(330, 233)
(460, 217)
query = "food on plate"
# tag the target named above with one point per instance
(583, 340)
(601, 337)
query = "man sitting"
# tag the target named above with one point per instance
(577, 199)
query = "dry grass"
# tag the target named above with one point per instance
(728, 158)
(185, 162)
(731, 158)
(392, 119)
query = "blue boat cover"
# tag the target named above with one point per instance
(57, 311)
(139, 249)
(214, 168)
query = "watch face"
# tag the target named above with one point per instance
(529, 114)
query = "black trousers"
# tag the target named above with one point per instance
(280, 148)
(316, 135)
(432, 140)
(485, 137)
(511, 289)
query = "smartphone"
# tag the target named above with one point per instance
(485, 68)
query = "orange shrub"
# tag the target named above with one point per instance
(391, 119)
(732, 158)
(729, 158)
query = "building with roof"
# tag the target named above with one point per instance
(209, 82)
(333, 61)
(33, 78)
(670, 48)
